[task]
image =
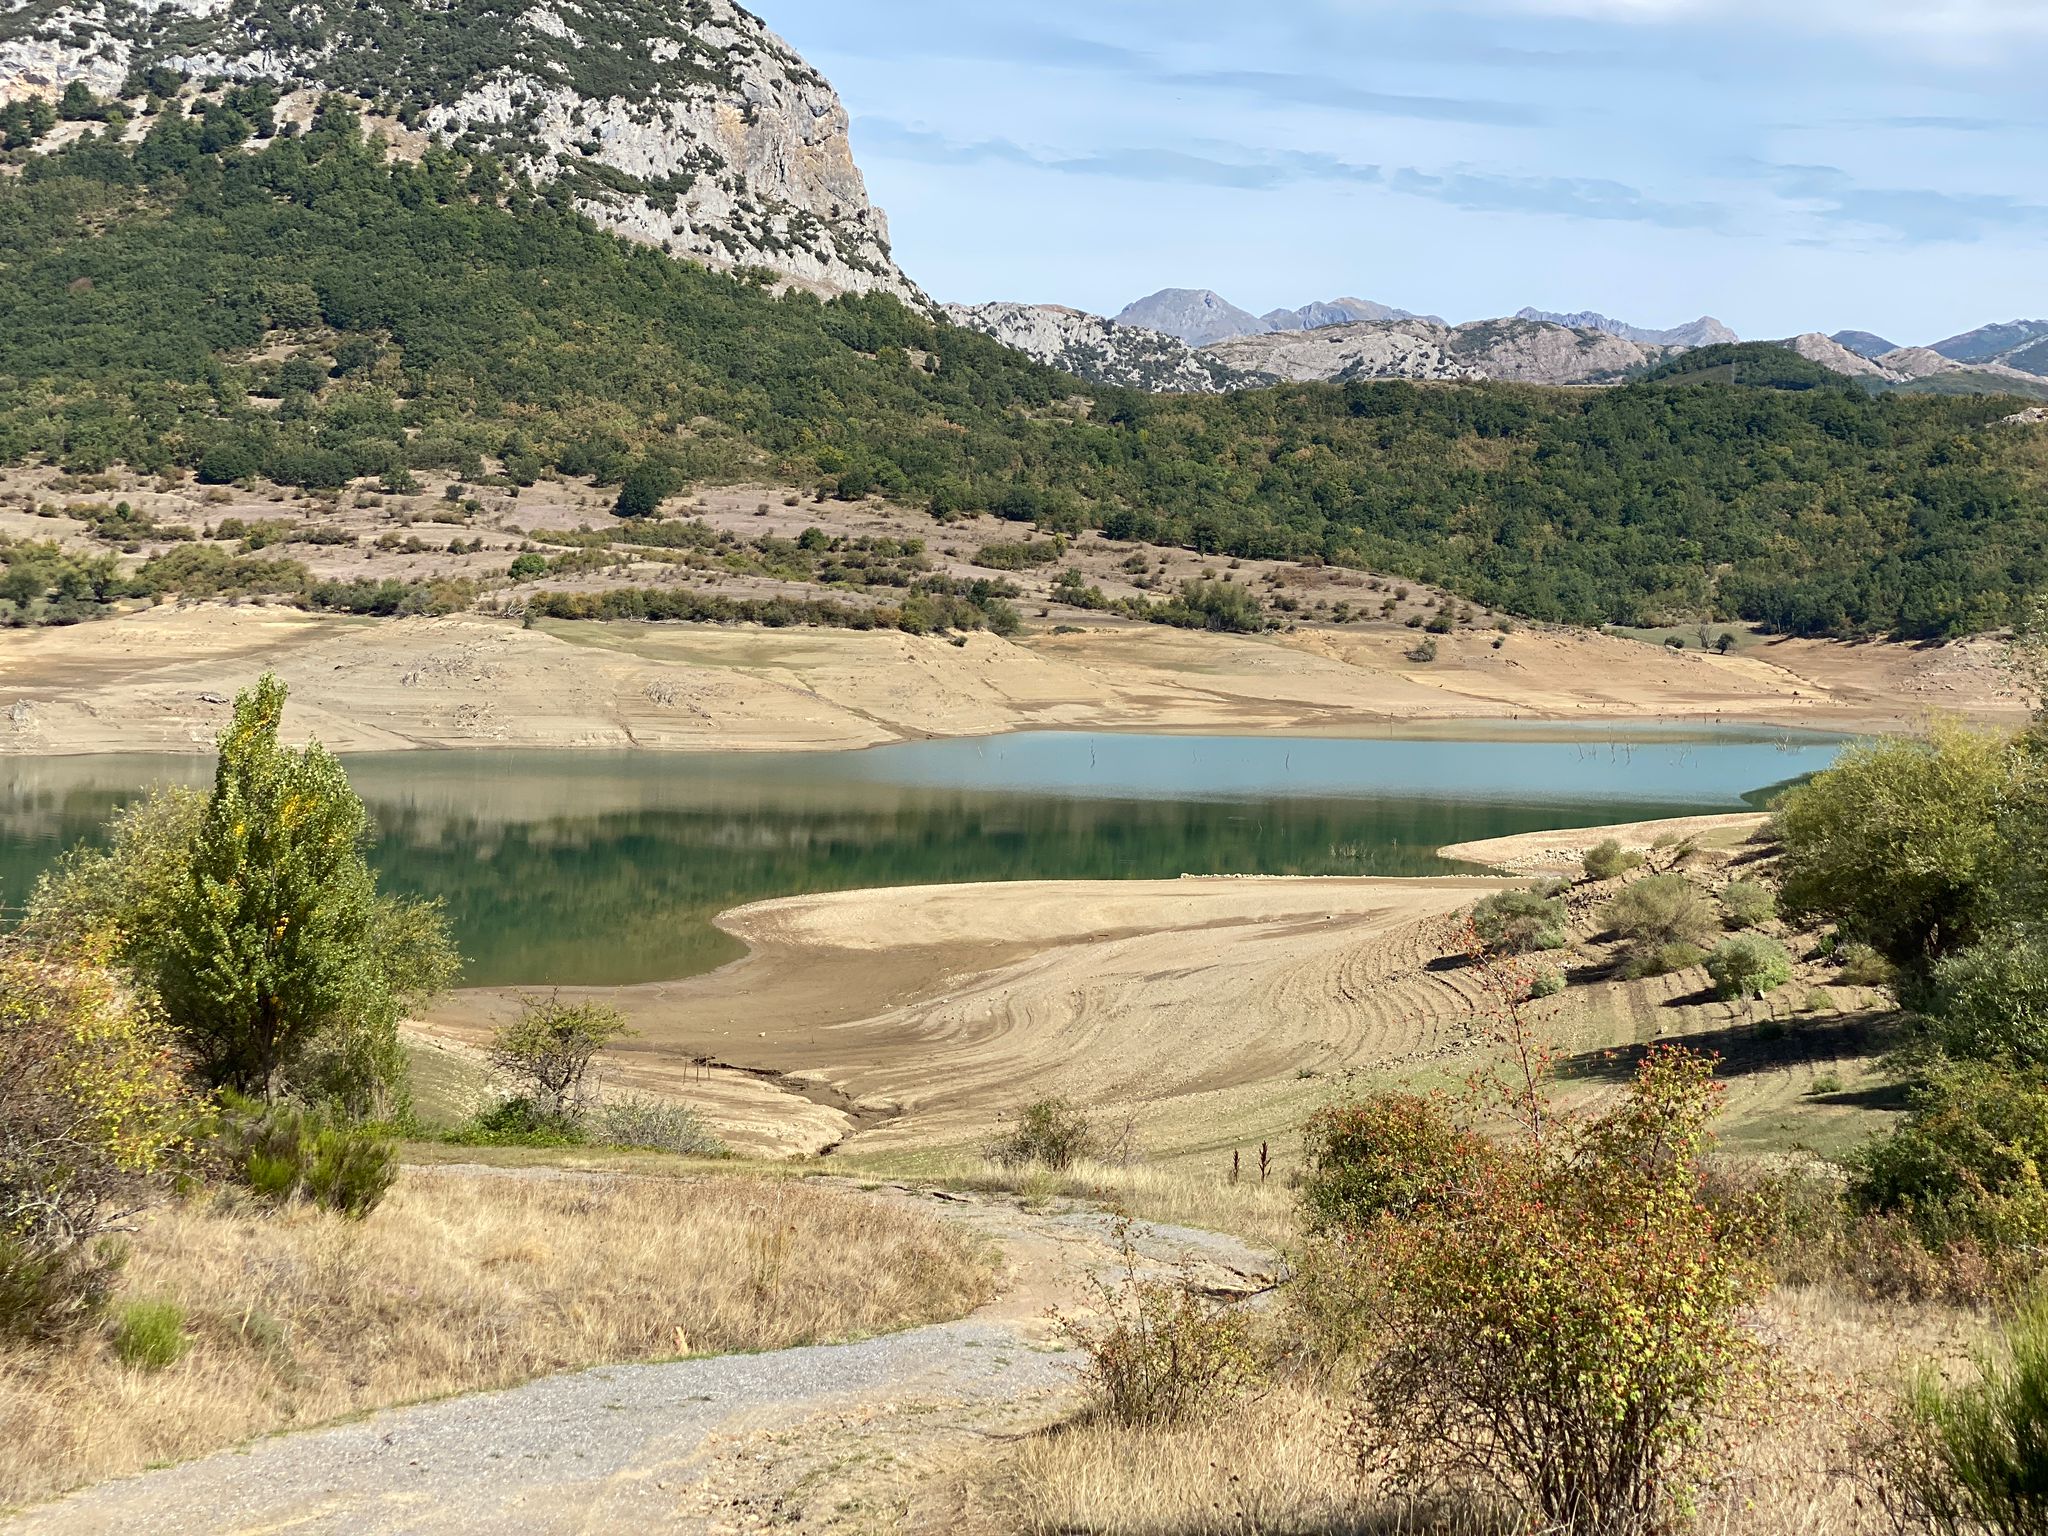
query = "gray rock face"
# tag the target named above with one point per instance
(1101, 351)
(1311, 317)
(1831, 354)
(1523, 351)
(690, 126)
(1703, 332)
(1194, 315)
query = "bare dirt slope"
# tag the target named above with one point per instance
(159, 681)
(1212, 1013)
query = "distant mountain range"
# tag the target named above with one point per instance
(1703, 332)
(1193, 340)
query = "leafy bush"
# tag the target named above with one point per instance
(1965, 1163)
(93, 1117)
(1749, 965)
(1991, 1003)
(1661, 960)
(1051, 1132)
(1380, 1156)
(1608, 860)
(1899, 842)
(654, 1124)
(1664, 909)
(1517, 922)
(1748, 903)
(1974, 1458)
(1160, 1352)
(285, 1152)
(1547, 984)
(150, 1335)
(1859, 965)
(1554, 1316)
(519, 1122)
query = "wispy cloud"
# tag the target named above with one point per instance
(1913, 215)
(1958, 22)
(1246, 169)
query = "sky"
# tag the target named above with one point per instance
(1783, 165)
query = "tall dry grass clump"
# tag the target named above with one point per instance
(459, 1283)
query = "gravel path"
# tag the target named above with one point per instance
(828, 1438)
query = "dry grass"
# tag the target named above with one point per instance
(459, 1283)
(1275, 1463)
(1176, 1194)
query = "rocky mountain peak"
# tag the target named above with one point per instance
(686, 125)
(1196, 316)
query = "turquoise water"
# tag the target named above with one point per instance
(606, 868)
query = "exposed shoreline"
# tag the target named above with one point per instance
(158, 682)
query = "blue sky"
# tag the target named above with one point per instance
(1784, 165)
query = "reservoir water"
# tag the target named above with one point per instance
(607, 868)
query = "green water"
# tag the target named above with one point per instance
(608, 868)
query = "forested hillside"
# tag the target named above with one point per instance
(311, 314)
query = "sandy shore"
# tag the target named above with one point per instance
(158, 681)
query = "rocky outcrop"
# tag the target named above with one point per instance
(1832, 355)
(1523, 351)
(685, 125)
(1099, 350)
(1703, 332)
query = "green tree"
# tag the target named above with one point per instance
(1899, 843)
(279, 963)
(644, 490)
(547, 1051)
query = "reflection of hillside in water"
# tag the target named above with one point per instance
(568, 867)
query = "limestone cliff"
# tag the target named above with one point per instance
(688, 125)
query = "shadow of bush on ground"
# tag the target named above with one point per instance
(1751, 1046)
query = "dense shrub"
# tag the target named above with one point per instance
(1547, 984)
(1990, 1003)
(1608, 860)
(93, 1116)
(519, 1122)
(1899, 843)
(1748, 903)
(1517, 922)
(1660, 960)
(1053, 1133)
(1965, 1163)
(1749, 965)
(1664, 909)
(1380, 1156)
(1859, 965)
(1555, 1315)
(285, 1152)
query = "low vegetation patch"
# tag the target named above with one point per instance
(291, 1322)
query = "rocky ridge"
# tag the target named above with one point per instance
(1522, 351)
(690, 126)
(1703, 332)
(1101, 351)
